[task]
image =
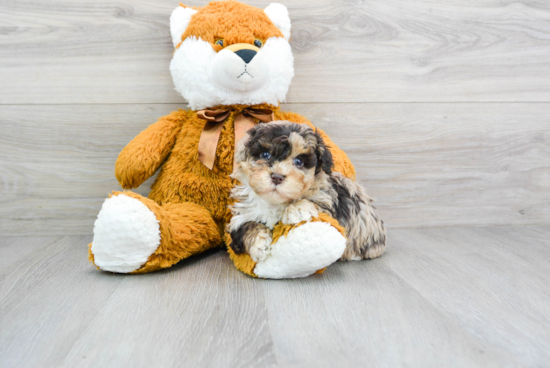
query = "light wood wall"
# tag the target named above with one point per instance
(444, 107)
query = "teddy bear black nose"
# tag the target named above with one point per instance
(246, 54)
(277, 179)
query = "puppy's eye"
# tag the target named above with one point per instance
(265, 155)
(258, 43)
(219, 42)
(298, 162)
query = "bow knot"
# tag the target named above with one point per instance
(219, 115)
(210, 134)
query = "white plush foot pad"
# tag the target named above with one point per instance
(126, 233)
(306, 249)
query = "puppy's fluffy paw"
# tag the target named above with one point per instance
(261, 246)
(303, 210)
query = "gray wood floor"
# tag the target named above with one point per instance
(462, 296)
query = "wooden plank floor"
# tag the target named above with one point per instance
(458, 296)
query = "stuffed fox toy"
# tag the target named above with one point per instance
(233, 64)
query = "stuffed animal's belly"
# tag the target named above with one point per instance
(184, 178)
(206, 189)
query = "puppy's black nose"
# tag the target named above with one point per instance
(246, 54)
(277, 179)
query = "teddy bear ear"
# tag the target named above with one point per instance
(179, 20)
(278, 14)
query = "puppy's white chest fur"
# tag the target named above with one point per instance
(251, 207)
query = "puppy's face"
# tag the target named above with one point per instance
(280, 160)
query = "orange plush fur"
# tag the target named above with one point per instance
(231, 21)
(244, 262)
(189, 200)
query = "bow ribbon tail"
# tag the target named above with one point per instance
(210, 134)
(208, 143)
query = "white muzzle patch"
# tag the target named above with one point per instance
(229, 71)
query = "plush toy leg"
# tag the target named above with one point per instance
(133, 234)
(297, 251)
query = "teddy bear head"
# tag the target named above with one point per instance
(229, 53)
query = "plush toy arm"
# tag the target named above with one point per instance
(342, 162)
(145, 153)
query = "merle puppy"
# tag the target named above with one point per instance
(285, 174)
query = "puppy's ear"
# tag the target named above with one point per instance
(245, 143)
(241, 148)
(324, 156)
(251, 133)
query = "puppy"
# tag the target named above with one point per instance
(285, 174)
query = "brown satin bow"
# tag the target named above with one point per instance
(210, 135)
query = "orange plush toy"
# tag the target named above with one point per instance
(233, 64)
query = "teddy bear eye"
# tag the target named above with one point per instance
(298, 162)
(265, 155)
(258, 43)
(219, 42)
